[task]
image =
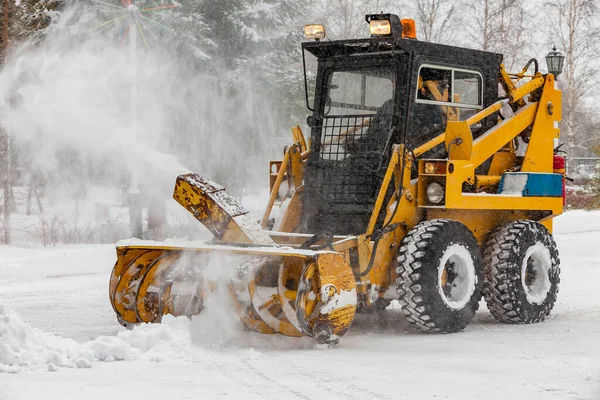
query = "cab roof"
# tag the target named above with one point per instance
(385, 45)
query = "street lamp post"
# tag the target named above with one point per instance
(555, 61)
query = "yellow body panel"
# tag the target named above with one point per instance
(481, 223)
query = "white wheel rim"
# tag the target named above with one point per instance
(457, 290)
(535, 273)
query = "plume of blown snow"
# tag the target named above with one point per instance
(143, 117)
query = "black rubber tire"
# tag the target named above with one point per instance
(504, 254)
(418, 264)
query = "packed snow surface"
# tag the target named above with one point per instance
(59, 339)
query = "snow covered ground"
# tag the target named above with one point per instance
(59, 339)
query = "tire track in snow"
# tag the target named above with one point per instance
(234, 374)
(254, 381)
(283, 388)
(332, 385)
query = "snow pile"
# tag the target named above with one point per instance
(155, 341)
(23, 348)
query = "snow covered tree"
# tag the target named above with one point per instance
(31, 18)
(254, 82)
(180, 26)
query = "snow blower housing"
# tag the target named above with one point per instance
(418, 183)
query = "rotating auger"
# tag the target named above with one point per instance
(295, 292)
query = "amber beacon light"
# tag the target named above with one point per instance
(409, 29)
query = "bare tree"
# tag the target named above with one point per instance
(436, 19)
(499, 25)
(588, 128)
(575, 31)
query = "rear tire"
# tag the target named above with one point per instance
(440, 279)
(522, 272)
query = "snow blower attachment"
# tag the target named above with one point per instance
(295, 292)
(420, 183)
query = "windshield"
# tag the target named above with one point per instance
(357, 113)
(358, 92)
(353, 138)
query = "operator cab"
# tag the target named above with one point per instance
(373, 93)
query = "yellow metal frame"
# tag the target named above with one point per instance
(466, 154)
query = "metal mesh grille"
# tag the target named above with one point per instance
(351, 159)
(339, 135)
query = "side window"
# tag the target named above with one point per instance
(467, 88)
(456, 88)
(434, 84)
(443, 94)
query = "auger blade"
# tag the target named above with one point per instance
(289, 291)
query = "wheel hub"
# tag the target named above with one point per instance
(535, 276)
(456, 276)
(449, 279)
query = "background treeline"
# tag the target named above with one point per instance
(218, 84)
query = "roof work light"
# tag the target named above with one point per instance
(380, 27)
(391, 25)
(314, 31)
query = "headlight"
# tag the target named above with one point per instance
(435, 193)
(316, 31)
(380, 27)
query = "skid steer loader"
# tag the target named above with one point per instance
(429, 177)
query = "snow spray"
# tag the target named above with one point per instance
(143, 119)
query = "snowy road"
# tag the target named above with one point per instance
(63, 291)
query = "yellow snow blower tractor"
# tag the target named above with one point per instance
(429, 177)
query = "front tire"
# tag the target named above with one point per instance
(440, 271)
(522, 272)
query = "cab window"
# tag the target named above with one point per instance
(450, 87)
(443, 94)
